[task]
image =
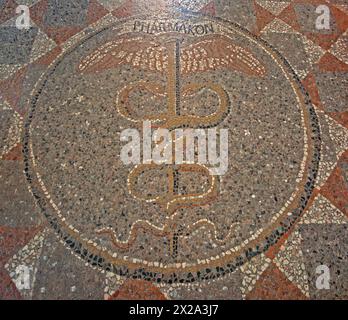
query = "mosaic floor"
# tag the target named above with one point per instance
(77, 223)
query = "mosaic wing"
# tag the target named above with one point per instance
(219, 52)
(137, 52)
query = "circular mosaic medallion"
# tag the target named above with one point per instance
(171, 223)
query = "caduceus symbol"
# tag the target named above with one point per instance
(168, 55)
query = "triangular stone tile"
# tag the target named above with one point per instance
(328, 158)
(4, 106)
(342, 7)
(275, 7)
(314, 51)
(263, 17)
(95, 12)
(335, 188)
(251, 272)
(288, 15)
(125, 10)
(81, 280)
(23, 266)
(138, 290)
(290, 261)
(340, 48)
(341, 18)
(278, 26)
(323, 211)
(194, 5)
(13, 136)
(8, 10)
(111, 4)
(325, 169)
(339, 136)
(13, 239)
(340, 117)
(274, 285)
(7, 70)
(311, 86)
(8, 289)
(15, 154)
(329, 63)
(42, 45)
(12, 87)
(209, 8)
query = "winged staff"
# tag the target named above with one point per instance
(169, 56)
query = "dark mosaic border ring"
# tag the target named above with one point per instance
(184, 277)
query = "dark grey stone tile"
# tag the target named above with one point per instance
(66, 13)
(16, 45)
(61, 275)
(17, 206)
(326, 245)
(333, 91)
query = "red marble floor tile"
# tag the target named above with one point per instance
(60, 34)
(48, 58)
(37, 12)
(288, 15)
(15, 154)
(335, 189)
(138, 290)
(340, 5)
(341, 117)
(8, 10)
(133, 7)
(273, 285)
(125, 10)
(11, 88)
(154, 5)
(311, 87)
(8, 290)
(95, 11)
(209, 9)
(325, 40)
(329, 63)
(13, 239)
(263, 17)
(341, 18)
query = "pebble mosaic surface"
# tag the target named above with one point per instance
(77, 223)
